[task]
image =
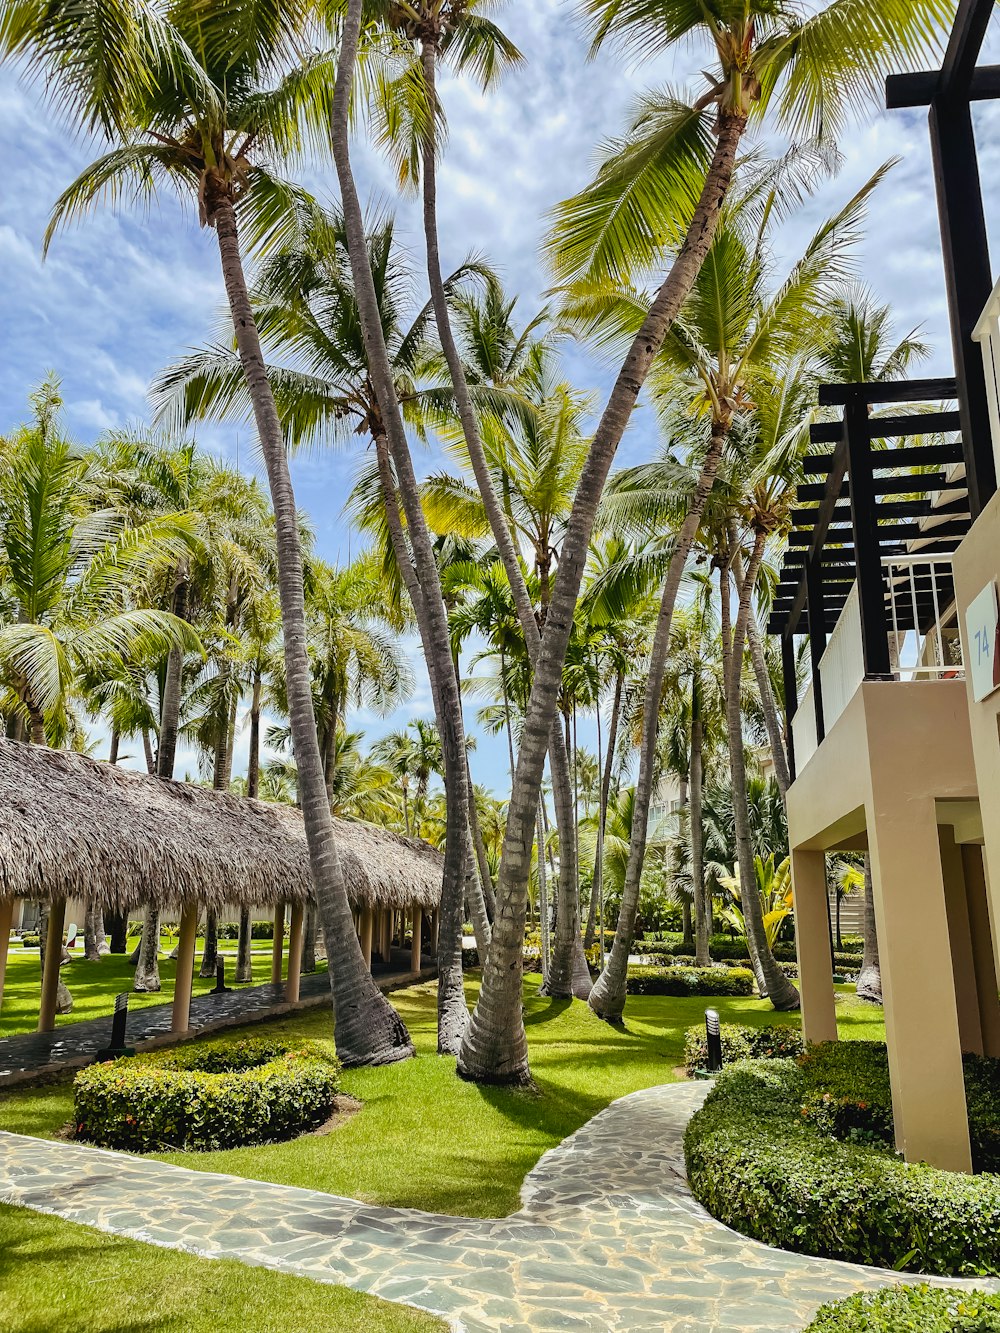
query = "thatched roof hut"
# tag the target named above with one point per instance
(71, 827)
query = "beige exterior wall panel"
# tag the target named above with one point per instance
(976, 564)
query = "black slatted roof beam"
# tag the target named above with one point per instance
(913, 423)
(891, 391)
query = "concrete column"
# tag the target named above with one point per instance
(276, 947)
(180, 1019)
(435, 924)
(963, 966)
(977, 899)
(367, 930)
(294, 954)
(812, 942)
(6, 917)
(418, 923)
(921, 1013)
(53, 959)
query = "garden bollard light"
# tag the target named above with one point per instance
(220, 987)
(713, 1033)
(117, 1048)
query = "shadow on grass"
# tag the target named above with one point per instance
(552, 1009)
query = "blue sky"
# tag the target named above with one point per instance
(120, 297)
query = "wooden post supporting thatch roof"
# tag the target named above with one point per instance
(72, 827)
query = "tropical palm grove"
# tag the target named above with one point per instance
(595, 614)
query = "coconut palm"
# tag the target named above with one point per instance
(739, 327)
(207, 98)
(533, 448)
(70, 573)
(807, 69)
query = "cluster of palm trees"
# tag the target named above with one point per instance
(665, 259)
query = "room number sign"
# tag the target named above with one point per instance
(981, 621)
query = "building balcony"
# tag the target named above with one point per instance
(867, 578)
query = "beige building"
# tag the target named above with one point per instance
(892, 576)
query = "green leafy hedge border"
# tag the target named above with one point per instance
(762, 1166)
(907, 1309)
(221, 1094)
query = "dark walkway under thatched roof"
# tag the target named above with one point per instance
(71, 827)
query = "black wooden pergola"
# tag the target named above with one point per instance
(949, 93)
(848, 520)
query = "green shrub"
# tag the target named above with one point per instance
(30, 940)
(260, 930)
(908, 1309)
(847, 1092)
(774, 1042)
(222, 1094)
(756, 1163)
(643, 980)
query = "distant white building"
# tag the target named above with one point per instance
(664, 810)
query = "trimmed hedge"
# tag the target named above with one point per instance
(644, 980)
(774, 1042)
(920, 1309)
(224, 1094)
(849, 1097)
(756, 1163)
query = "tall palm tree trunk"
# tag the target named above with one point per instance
(543, 892)
(495, 1048)
(244, 944)
(453, 1013)
(569, 974)
(702, 910)
(367, 1028)
(779, 990)
(147, 956)
(772, 721)
(602, 814)
(869, 985)
(452, 1009)
(607, 999)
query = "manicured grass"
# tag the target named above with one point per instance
(425, 1139)
(58, 1275)
(95, 985)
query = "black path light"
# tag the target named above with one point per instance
(220, 987)
(119, 1019)
(713, 1034)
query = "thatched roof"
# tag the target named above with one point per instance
(70, 827)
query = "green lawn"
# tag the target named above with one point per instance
(424, 1139)
(95, 985)
(55, 1275)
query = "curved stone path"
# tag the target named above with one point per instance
(608, 1235)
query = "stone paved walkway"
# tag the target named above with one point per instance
(608, 1235)
(31, 1055)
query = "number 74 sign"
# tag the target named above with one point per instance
(981, 621)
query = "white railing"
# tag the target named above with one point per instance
(804, 730)
(987, 334)
(842, 666)
(919, 592)
(935, 651)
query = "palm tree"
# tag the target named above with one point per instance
(70, 573)
(533, 447)
(737, 329)
(457, 32)
(808, 69)
(418, 563)
(204, 98)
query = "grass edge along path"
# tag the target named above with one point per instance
(62, 1275)
(424, 1139)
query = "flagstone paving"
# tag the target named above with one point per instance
(608, 1235)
